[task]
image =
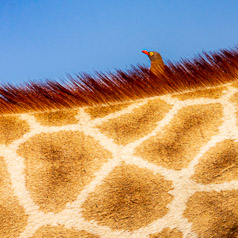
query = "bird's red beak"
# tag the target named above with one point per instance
(145, 52)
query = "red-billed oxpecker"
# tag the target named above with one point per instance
(157, 64)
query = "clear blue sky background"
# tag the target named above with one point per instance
(49, 38)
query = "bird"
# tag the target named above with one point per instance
(157, 65)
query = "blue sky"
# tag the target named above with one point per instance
(49, 38)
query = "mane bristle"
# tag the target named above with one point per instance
(205, 70)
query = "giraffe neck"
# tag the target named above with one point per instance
(163, 166)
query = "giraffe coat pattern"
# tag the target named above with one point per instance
(161, 166)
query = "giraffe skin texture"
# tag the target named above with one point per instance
(164, 166)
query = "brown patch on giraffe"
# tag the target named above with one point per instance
(11, 128)
(167, 233)
(129, 198)
(102, 111)
(140, 122)
(180, 141)
(214, 93)
(57, 118)
(59, 165)
(213, 214)
(219, 164)
(62, 232)
(13, 219)
(234, 99)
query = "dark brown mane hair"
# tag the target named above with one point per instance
(205, 70)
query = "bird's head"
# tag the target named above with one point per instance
(153, 55)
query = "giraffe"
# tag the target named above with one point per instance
(132, 163)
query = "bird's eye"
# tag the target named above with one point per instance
(151, 53)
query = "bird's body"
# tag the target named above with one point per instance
(157, 65)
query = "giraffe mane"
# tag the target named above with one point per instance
(205, 70)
